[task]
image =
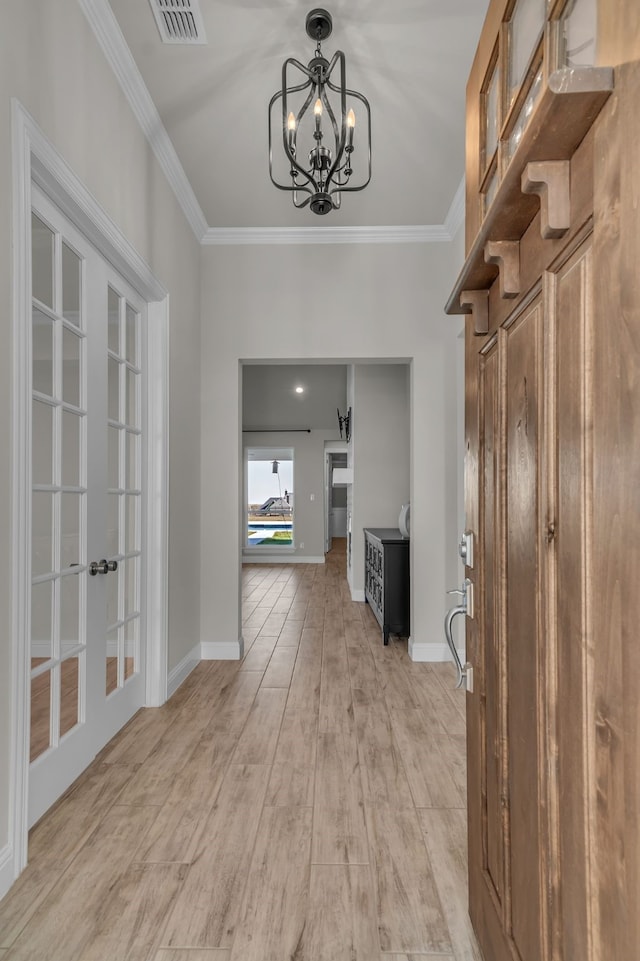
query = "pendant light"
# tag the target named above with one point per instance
(316, 117)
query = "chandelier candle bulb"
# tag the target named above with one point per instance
(351, 122)
(291, 127)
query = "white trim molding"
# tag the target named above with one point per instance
(434, 653)
(120, 59)
(181, 671)
(455, 216)
(357, 595)
(157, 528)
(7, 876)
(248, 558)
(222, 651)
(36, 160)
(230, 236)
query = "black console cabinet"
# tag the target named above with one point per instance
(386, 578)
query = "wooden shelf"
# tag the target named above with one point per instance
(568, 106)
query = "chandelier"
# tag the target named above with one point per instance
(317, 123)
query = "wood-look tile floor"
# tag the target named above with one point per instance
(305, 804)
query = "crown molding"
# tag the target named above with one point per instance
(230, 236)
(120, 59)
(455, 216)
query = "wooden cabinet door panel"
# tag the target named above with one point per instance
(570, 327)
(493, 675)
(522, 409)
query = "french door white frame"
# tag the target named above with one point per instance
(35, 160)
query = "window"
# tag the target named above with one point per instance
(269, 486)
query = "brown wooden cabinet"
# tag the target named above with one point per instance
(550, 286)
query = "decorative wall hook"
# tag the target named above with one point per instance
(344, 422)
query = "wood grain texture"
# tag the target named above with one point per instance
(341, 920)
(616, 519)
(445, 833)
(275, 904)
(223, 861)
(280, 669)
(104, 858)
(205, 911)
(384, 779)
(192, 954)
(409, 912)
(130, 918)
(339, 829)
(257, 743)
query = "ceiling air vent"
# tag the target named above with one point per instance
(179, 21)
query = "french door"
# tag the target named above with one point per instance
(87, 436)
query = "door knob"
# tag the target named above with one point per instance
(102, 567)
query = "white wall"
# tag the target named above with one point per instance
(50, 61)
(380, 446)
(383, 301)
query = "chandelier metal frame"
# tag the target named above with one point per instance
(329, 171)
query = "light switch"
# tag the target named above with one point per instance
(312, 497)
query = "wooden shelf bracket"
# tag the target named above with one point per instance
(476, 303)
(506, 254)
(551, 181)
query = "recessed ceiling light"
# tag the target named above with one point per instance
(299, 390)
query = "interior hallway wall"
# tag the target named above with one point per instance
(51, 62)
(381, 301)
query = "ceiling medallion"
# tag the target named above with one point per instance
(317, 124)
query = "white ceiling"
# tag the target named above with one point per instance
(410, 58)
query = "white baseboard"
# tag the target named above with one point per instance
(431, 652)
(224, 651)
(280, 559)
(7, 869)
(182, 670)
(357, 596)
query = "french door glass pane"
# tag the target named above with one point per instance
(70, 634)
(42, 353)
(71, 266)
(132, 517)
(40, 714)
(70, 367)
(112, 661)
(113, 457)
(71, 447)
(113, 525)
(70, 692)
(114, 390)
(132, 398)
(113, 309)
(112, 599)
(41, 621)
(70, 530)
(133, 446)
(42, 435)
(42, 260)
(131, 635)
(132, 336)
(131, 604)
(41, 533)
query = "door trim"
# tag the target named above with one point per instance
(35, 159)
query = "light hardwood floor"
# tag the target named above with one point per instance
(305, 804)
